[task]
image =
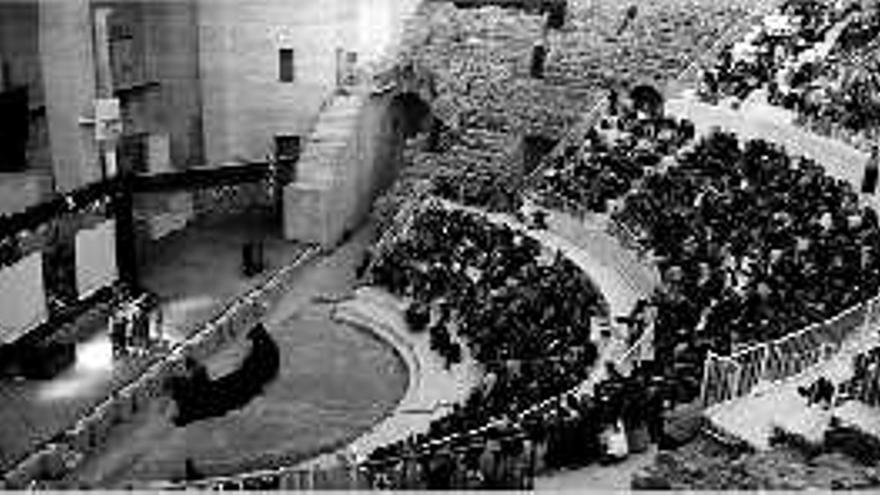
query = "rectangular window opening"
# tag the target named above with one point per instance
(285, 65)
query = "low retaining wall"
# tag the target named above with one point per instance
(351, 316)
(60, 458)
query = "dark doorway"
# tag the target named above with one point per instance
(13, 129)
(287, 151)
(287, 147)
(535, 148)
(134, 153)
(648, 99)
(410, 113)
(405, 116)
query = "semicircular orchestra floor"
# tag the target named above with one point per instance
(335, 383)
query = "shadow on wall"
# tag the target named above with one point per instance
(408, 115)
(199, 397)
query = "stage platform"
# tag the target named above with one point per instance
(196, 272)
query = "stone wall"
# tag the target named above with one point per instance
(20, 191)
(159, 83)
(19, 50)
(160, 214)
(245, 103)
(67, 64)
(211, 203)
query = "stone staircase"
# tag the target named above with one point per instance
(319, 205)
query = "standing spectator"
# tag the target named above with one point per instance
(118, 323)
(190, 472)
(140, 324)
(869, 181)
(539, 57)
(157, 333)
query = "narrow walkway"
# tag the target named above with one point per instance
(839, 159)
(752, 417)
(596, 476)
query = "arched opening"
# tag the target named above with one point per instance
(405, 116)
(535, 148)
(646, 98)
(409, 114)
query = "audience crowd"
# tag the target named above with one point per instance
(648, 42)
(781, 53)
(612, 156)
(845, 102)
(532, 328)
(530, 332)
(816, 58)
(752, 244)
(482, 61)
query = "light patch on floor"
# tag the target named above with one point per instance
(92, 369)
(176, 314)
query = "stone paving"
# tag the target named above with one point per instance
(596, 476)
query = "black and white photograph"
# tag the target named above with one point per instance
(458, 245)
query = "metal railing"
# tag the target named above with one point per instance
(726, 378)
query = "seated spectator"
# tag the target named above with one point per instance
(788, 255)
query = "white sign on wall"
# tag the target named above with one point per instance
(22, 298)
(96, 258)
(108, 119)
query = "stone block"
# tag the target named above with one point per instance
(306, 214)
(19, 191)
